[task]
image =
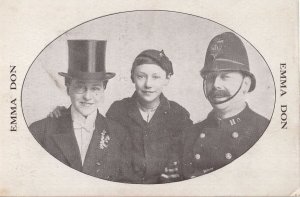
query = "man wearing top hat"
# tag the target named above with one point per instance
(81, 137)
(231, 128)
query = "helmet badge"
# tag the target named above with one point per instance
(216, 48)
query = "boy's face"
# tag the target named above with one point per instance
(86, 95)
(149, 80)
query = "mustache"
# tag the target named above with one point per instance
(218, 93)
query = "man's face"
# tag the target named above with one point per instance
(86, 95)
(220, 86)
(149, 80)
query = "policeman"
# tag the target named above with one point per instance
(231, 128)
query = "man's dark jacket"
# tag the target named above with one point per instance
(113, 163)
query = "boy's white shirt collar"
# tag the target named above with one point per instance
(147, 115)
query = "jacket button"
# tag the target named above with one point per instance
(197, 156)
(235, 134)
(228, 156)
(202, 135)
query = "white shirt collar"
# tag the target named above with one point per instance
(147, 115)
(80, 121)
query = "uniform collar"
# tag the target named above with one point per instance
(213, 120)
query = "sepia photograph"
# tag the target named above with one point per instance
(146, 99)
(118, 97)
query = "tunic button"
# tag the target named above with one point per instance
(235, 134)
(228, 155)
(202, 135)
(197, 156)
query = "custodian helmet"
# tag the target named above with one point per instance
(226, 52)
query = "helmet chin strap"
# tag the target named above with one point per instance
(220, 102)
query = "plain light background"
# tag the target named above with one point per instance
(270, 168)
(184, 39)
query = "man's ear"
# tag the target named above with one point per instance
(247, 84)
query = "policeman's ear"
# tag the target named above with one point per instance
(246, 84)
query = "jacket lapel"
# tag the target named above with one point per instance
(134, 113)
(161, 111)
(66, 141)
(96, 156)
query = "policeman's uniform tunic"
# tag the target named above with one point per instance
(214, 143)
(155, 144)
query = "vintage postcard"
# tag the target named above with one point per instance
(150, 98)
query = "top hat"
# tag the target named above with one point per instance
(87, 60)
(226, 52)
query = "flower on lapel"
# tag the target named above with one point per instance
(104, 140)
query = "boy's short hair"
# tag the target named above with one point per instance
(152, 56)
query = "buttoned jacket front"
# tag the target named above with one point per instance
(214, 143)
(155, 144)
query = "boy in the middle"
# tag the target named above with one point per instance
(154, 123)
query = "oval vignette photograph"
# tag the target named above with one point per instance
(148, 97)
